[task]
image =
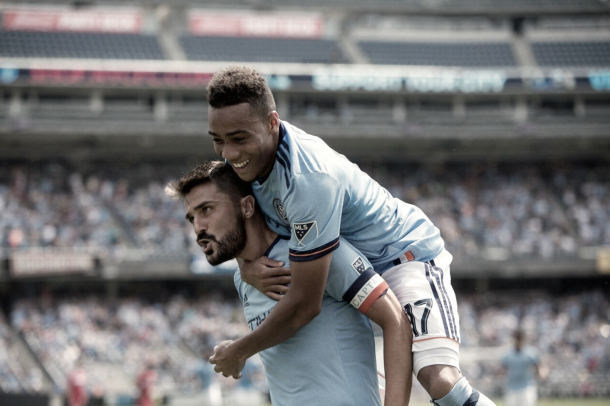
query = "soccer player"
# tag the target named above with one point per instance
(313, 195)
(522, 370)
(330, 361)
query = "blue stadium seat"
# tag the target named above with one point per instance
(439, 54)
(78, 45)
(261, 49)
(588, 53)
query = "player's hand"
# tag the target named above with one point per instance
(267, 276)
(225, 362)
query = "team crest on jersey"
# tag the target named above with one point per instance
(358, 265)
(279, 210)
(303, 230)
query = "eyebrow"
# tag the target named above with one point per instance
(230, 134)
(199, 206)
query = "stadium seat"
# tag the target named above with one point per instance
(569, 54)
(439, 54)
(78, 45)
(261, 49)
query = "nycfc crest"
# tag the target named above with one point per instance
(279, 210)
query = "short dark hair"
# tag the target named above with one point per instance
(240, 84)
(217, 172)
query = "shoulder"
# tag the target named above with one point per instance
(306, 153)
(533, 353)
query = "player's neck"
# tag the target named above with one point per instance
(259, 238)
(270, 156)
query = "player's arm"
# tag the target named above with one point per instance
(299, 306)
(371, 295)
(266, 275)
(397, 342)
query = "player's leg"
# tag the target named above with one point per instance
(425, 292)
(462, 394)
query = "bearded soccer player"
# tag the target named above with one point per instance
(330, 361)
(315, 196)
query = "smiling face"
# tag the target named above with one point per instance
(246, 141)
(217, 222)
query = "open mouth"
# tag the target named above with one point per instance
(240, 165)
(205, 246)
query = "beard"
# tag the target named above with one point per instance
(231, 245)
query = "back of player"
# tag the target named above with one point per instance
(330, 361)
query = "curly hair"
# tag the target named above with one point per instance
(240, 84)
(217, 172)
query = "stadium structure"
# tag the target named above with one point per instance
(492, 116)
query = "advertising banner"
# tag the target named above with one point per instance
(124, 22)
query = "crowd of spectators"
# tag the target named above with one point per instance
(516, 210)
(520, 210)
(47, 205)
(572, 331)
(14, 375)
(115, 340)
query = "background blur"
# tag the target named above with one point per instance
(493, 116)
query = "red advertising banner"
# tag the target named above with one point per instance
(126, 22)
(256, 25)
(40, 263)
(67, 77)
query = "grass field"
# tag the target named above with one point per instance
(550, 402)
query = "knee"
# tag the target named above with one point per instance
(438, 380)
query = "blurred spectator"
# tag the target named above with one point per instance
(145, 383)
(491, 211)
(76, 390)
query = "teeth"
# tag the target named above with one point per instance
(241, 164)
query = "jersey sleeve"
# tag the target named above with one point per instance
(313, 205)
(352, 279)
(238, 285)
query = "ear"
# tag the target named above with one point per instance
(248, 206)
(273, 120)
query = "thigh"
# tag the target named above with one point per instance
(427, 297)
(425, 293)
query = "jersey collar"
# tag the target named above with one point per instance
(282, 134)
(274, 243)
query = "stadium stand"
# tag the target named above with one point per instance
(533, 211)
(15, 375)
(115, 341)
(69, 327)
(49, 196)
(571, 54)
(271, 50)
(489, 7)
(511, 163)
(438, 54)
(79, 45)
(559, 327)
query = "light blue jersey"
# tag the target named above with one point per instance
(330, 361)
(314, 194)
(520, 368)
